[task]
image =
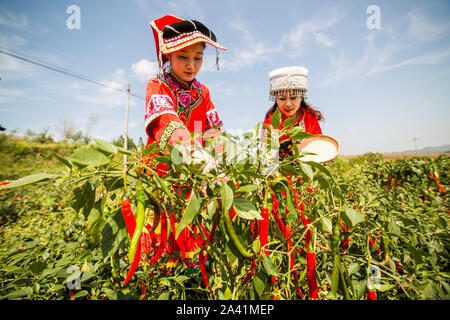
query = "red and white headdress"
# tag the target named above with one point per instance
(173, 34)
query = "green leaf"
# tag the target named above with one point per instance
(383, 287)
(247, 188)
(212, 208)
(94, 224)
(245, 209)
(153, 148)
(226, 195)
(114, 233)
(192, 209)
(306, 169)
(270, 268)
(62, 160)
(256, 130)
(289, 122)
(328, 225)
(259, 282)
(292, 215)
(37, 267)
(89, 157)
(352, 217)
(22, 292)
(164, 296)
(106, 146)
(287, 168)
(123, 151)
(297, 133)
(276, 119)
(13, 269)
(227, 294)
(38, 177)
(394, 229)
(80, 294)
(82, 199)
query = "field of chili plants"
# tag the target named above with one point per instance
(76, 223)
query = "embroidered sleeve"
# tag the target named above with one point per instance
(165, 136)
(158, 104)
(212, 116)
(158, 101)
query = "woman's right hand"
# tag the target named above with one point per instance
(180, 135)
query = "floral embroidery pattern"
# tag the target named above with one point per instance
(188, 95)
(158, 104)
(213, 119)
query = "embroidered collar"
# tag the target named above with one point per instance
(178, 81)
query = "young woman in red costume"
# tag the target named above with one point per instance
(177, 104)
(288, 87)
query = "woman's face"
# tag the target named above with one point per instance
(186, 63)
(288, 105)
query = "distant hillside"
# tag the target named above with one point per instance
(439, 149)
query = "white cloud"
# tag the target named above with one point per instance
(382, 47)
(250, 53)
(8, 94)
(20, 21)
(421, 28)
(105, 97)
(145, 69)
(12, 40)
(17, 21)
(430, 58)
(317, 29)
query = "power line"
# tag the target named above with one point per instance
(63, 71)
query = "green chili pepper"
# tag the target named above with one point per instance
(233, 236)
(140, 197)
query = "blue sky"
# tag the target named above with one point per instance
(378, 88)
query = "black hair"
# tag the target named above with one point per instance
(303, 105)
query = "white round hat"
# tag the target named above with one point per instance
(289, 81)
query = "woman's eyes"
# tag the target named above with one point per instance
(185, 58)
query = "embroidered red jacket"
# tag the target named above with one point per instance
(308, 122)
(172, 103)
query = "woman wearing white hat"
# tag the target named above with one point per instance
(288, 87)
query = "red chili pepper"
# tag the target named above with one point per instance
(143, 290)
(162, 245)
(180, 240)
(311, 274)
(371, 295)
(128, 216)
(134, 264)
(264, 230)
(250, 273)
(440, 188)
(287, 235)
(275, 213)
